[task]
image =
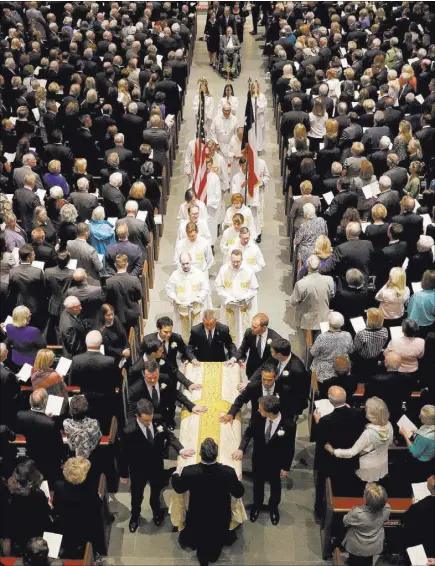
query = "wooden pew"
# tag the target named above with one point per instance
(144, 280)
(150, 263)
(106, 516)
(337, 507)
(87, 560)
(337, 558)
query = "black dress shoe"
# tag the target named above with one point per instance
(258, 240)
(254, 514)
(253, 32)
(133, 524)
(274, 516)
(158, 519)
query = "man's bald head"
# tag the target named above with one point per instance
(392, 360)
(337, 395)
(80, 275)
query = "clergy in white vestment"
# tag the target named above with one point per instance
(223, 128)
(238, 206)
(264, 181)
(235, 152)
(190, 199)
(189, 160)
(259, 105)
(252, 256)
(193, 212)
(209, 107)
(187, 289)
(231, 234)
(237, 286)
(228, 96)
(198, 247)
(213, 195)
(220, 166)
(238, 186)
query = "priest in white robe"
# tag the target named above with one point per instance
(237, 286)
(214, 201)
(203, 229)
(197, 247)
(264, 181)
(187, 289)
(220, 166)
(231, 234)
(235, 152)
(223, 128)
(191, 199)
(252, 256)
(238, 186)
(189, 160)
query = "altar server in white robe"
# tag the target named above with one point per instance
(228, 96)
(220, 166)
(264, 181)
(252, 256)
(187, 289)
(231, 234)
(237, 286)
(223, 128)
(235, 152)
(197, 247)
(238, 206)
(189, 200)
(213, 195)
(209, 107)
(189, 160)
(203, 229)
(259, 105)
(238, 186)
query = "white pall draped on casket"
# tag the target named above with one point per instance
(219, 389)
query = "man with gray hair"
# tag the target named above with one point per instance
(125, 155)
(353, 253)
(340, 428)
(132, 126)
(138, 232)
(397, 174)
(98, 376)
(72, 330)
(91, 297)
(379, 157)
(29, 163)
(223, 128)
(388, 197)
(372, 136)
(310, 303)
(157, 139)
(84, 201)
(113, 199)
(25, 201)
(85, 254)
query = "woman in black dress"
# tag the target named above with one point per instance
(211, 34)
(115, 340)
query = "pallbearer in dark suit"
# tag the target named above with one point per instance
(274, 447)
(144, 444)
(255, 346)
(211, 341)
(211, 486)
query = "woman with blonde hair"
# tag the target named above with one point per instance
(318, 117)
(299, 141)
(421, 445)
(393, 296)
(68, 227)
(401, 141)
(123, 94)
(238, 206)
(54, 177)
(412, 187)
(44, 377)
(365, 177)
(296, 212)
(377, 232)
(414, 150)
(334, 84)
(24, 340)
(372, 446)
(369, 343)
(80, 170)
(323, 250)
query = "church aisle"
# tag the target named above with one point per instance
(296, 540)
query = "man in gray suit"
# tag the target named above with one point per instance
(86, 256)
(310, 299)
(158, 139)
(29, 161)
(138, 232)
(83, 200)
(90, 296)
(230, 47)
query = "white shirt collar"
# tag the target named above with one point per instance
(275, 425)
(269, 391)
(144, 428)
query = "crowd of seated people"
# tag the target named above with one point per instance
(90, 97)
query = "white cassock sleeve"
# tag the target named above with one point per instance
(261, 104)
(213, 128)
(171, 288)
(208, 256)
(259, 261)
(205, 230)
(220, 286)
(209, 107)
(177, 252)
(214, 193)
(253, 290)
(188, 158)
(236, 186)
(204, 290)
(264, 174)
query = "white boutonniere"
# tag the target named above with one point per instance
(269, 341)
(159, 428)
(277, 395)
(285, 373)
(174, 345)
(280, 432)
(162, 362)
(163, 386)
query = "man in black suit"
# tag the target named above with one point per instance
(419, 523)
(125, 155)
(83, 143)
(397, 174)
(274, 447)
(388, 197)
(138, 232)
(113, 199)
(25, 201)
(101, 123)
(179, 68)
(426, 136)
(379, 157)
(58, 279)
(44, 443)
(43, 252)
(27, 287)
(292, 375)
(256, 341)
(144, 445)
(227, 20)
(210, 341)
(10, 391)
(372, 136)
(391, 256)
(132, 127)
(211, 486)
(392, 116)
(346, 198)
(353, 253)
(352, 133)
(56, 150)
(90, 296)
(51, 117)
(123, 246)
(295, 116)
(341, 429)
(170, 89)
(412, 223)
(112, 166)
(72, 330)
(158, 139)
(97, 376)
(123, 291)
(160, 390)
(84, 202)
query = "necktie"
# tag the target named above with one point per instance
(259, 346)
(210, 337)
(149, 434)
(279, 369)
(268, 431)
(155, 397)
(165, 347)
